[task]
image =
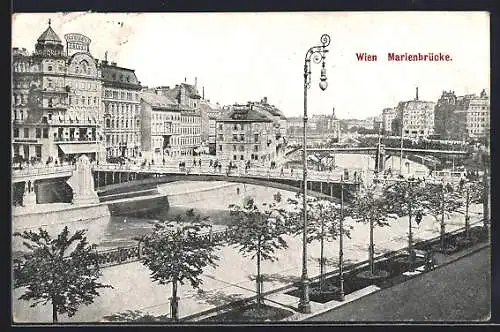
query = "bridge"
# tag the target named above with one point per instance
(108, 179)
(40, 173)
(392, 151)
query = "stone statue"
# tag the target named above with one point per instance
(82, 182)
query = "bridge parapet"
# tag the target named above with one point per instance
(337, 175)
(42, 172)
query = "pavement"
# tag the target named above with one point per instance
(454, 292)
(234, 278)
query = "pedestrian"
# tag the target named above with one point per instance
(281, 171)
(291, 171)
(199, 162)
(194, 162)
(220, 167)
(211, 163)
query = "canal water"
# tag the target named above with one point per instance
(209, 199)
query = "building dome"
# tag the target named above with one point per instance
(49, 37)
(49, 44)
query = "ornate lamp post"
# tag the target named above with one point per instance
(318, 54)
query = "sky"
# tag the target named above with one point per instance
(240, 57)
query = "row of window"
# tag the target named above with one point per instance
(26, 151)
(123, 138)
(242, 148)
(239, 138)
(82, 85)
(120, 124)
(166, 116)
(115, 94)
(121, 109)
(39, 132)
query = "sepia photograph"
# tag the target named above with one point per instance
(242, 168)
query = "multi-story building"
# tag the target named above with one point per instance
(462, 117)
(245, 134)
(121, 105)
(472, 117)
(377, 123)
(414, 118)
(317, 125)
(444, 120)
(388, 115)
(208, 132)
(56, 99)
(169, 130)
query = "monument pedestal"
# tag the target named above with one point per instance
(29, 199)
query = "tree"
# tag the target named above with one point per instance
(406, 198)
(370, 206)
(323, 224)
(472, 192)
(441, 201)
(175, 253)
(63, 271)
(258, 233)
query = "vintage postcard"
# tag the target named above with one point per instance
(226, 168)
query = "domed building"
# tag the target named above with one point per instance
(56, 100)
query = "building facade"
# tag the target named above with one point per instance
(444, 119)
(121, 104)
(56, 100)
(388, 115)
(168, 129)
(472, 117)
(414, 118)
(245, 134)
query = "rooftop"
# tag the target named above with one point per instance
(49, 36)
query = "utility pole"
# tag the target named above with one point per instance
(341, 244)
(443, 231)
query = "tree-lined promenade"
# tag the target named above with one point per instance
(196, 268)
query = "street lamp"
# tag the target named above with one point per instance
(317, 53)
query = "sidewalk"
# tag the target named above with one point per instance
(464, 295)
(232, 280)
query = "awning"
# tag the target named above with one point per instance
(78, 148)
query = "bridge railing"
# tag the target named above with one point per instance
(45, 170)
(265, 173)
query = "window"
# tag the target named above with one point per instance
(234, 157)
(49, 68)
(256, 148)
(234, 147)
(45, 132)
(16, 132)
(38, 151)
(235, 137)
(26, 132)
(70, 100)
(242, 137)
(221, 137)
(242, 148)
(220, 147)
(38, 133)
(241, 157)
(256, 138)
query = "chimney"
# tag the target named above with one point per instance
(195, 81)
(185, 79)
(264, 100)
(416, 95)
(106, 56)
(113, 64)
(203, 93)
